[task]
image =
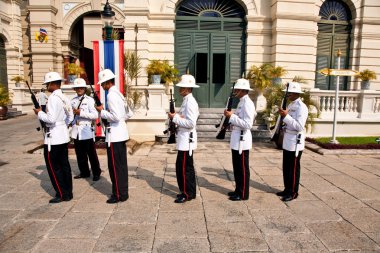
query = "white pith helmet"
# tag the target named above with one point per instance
(294, 87)
(79, 83)
(105, 75)
(242, 84)
(52, 77)
(187, 81)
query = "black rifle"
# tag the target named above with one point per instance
(98, 103)
(80, 102)
(278, 135)
(224, 123)
(172, 130)
(37, 106)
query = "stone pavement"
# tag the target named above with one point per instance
(337, 210)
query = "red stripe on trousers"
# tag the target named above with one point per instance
(243, 176)
(114, 172)
(294, 174)
(52, 172)
(184, 174)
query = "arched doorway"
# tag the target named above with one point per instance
(334, 31)
(210, 41)
(85, 29)
(3, 63)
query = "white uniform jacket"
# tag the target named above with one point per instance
(82, 127)
(295, 122)
(116, 117)
(58, 116)
(242, 120)
(186, 120)
(42, 98)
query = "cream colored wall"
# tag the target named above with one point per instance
(92, 28)
(10, 29)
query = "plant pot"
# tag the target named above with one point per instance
(3, 112)
(156, 79)
(18, 84)
(260, 102)
(71, 78)
(364, 85)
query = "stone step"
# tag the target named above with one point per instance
(206, 129)
(13, 112)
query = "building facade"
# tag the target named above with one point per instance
(216, 40)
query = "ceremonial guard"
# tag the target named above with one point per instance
(241, 139)
(57, 118)
(116, 136)
(83, 131)
(294, 117)
(186, 139)
(42, 99)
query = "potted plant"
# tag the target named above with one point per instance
(17, 80)
(73, 71)
(366, 76)
(132, 68)
(5, 100)
(260, 80)
(276, 73)
(170, 76)
(154, 70)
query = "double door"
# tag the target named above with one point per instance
(215, 59)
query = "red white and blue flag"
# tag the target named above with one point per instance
(108, 54)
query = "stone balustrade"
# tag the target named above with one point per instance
(364, 104)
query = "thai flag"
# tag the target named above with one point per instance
(108, 54)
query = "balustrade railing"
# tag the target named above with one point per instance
(351, 104)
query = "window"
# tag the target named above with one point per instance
(334, 32)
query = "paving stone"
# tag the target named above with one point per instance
(342, 236)
(264, 201)
(215, 193)
(340, 200)
(6, 217)
(42, 210)
(7, 201)
(23, 235)
(65, 246)
(80, 225)
(235, 237)
(353, 187)
(181, 225)
(226, 210)
(336, 210)
(278, 221)
(313, 211)
(93, 203)
(175, 245)
(294, 242)
(365, 219)
(317, 184)
(126, 238)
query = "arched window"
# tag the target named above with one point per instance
(334, 31)
(210, 43)
(211, 8)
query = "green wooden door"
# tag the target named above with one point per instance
(3, 64)
(210, 43)
(215, 59)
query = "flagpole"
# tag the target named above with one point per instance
(333, 140)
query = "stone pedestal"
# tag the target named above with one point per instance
(366, 104)
(156, 100)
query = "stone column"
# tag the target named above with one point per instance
(294, 41)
